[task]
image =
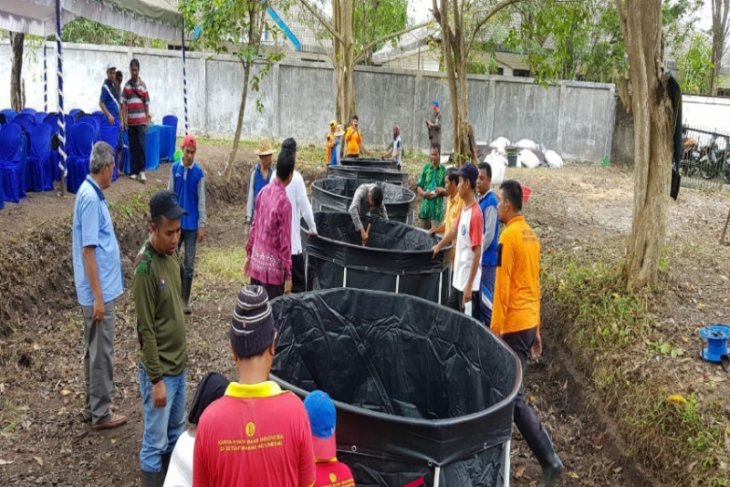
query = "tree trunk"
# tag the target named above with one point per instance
(16, 95)
(641, 23)
(344, 60)
(228, 171)
(720, 11)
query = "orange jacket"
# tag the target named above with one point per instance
(516, 304)
(353, 141)
(330, 144)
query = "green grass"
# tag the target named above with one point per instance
(607, 330)
(220, 264)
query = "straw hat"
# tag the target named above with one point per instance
(339, 131)
(265, 147)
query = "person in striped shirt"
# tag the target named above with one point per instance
(135, 117)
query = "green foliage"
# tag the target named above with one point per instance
(375, 19)
(233, 27)
(86, 31)
(695, 65)
(570, 40)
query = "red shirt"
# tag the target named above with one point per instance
(254, 436)
(333, 474)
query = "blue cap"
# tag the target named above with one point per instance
(322, 418)
(468, 171)
(435, 103)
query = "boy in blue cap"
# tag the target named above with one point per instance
(323, 418)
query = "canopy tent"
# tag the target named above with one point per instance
(148, 18)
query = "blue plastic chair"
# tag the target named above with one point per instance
(152, 148)
(26, 121)
(9, 114)
(78, 147)
(126, 163)
(28, 111)
(74, 112)
(39, 170)
(94, 122)
(12, 159)
(40, 117)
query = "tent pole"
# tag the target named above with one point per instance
(505, 462)
(436, 475)
(185, 80)
(61, 113)
(45, 71)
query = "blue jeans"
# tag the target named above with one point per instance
(162, 426)
(486, 291)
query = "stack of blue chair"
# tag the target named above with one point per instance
(94, 122)
(12, 162)
(152, 148)
(39, 171)
(167, 138)
(9, 114)
(78, 147)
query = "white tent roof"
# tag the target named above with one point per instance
(157, 19)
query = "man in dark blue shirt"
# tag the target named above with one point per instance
(109, 99)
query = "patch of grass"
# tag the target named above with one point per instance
(131, 207)
(221, 264)
(607, 331)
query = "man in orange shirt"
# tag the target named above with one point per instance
(353, 139)
(330, 141)
(516, 315)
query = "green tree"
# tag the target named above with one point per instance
(234, 27)
(87, 31)
(695, 65)
(375, 19)
(349, 48)
(461, 23)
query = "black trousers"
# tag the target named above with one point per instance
(455, 298)
(273, 290)
(136, 147)
(298, 284)
(525, 417)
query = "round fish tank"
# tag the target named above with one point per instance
(369, 162)
(368, 174)
(335, 194)
(424, 395)
(398, 258)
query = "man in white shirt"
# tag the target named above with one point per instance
(467, 233)
(296, 191)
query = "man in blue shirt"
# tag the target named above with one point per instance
(260, 176)
(187, 180)
(98, 280)
(488, 202)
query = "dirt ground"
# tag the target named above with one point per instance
(43, 440)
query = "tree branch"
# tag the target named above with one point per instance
(497, 8)
(385, 38)
(313, 10)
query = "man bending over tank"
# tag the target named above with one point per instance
(368, 199)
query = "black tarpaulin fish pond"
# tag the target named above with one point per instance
(335, 194)
(397, 258)
(422, 392)
(368, 174)
(369, 162)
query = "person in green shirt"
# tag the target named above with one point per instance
(431, 190)
(161, 331)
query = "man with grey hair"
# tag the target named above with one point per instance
(98, 280)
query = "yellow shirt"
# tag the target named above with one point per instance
(453, 208)
(516, 305)
(353, 140)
